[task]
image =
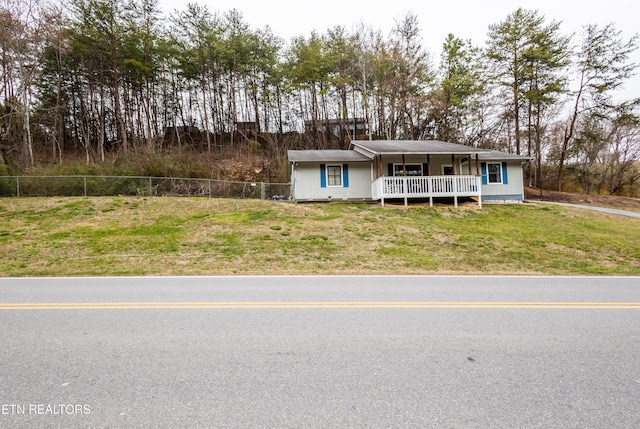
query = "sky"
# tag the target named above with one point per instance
(465, 19)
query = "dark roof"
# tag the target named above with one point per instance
(365, 150)
(496, 155)
(415, 147)
(326, 156)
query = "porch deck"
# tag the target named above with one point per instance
(406, 187)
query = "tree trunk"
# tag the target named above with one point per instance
(563, 154)
(27, 145)
(119, 115)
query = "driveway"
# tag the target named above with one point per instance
(599, 209)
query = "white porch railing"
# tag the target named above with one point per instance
(406, 187)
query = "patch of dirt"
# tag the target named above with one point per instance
(611, 201)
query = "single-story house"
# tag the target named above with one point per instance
(381, 170)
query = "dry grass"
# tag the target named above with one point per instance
(611, 201)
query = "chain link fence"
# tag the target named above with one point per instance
(68, 186)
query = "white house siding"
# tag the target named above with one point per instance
(306, 183)
(511, 191)
(436, 163)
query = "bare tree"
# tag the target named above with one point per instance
(620, 159)
(602, 66)
(22, 46)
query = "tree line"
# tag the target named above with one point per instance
(108, 78)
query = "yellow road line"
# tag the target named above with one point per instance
(317, 305)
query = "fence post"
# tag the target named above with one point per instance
(85, 185)
(150, 186)
(263, 191)
(18, 186)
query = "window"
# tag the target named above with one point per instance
(412, 169)
(334, 175)
(494, 172)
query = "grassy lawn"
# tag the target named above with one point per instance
(182, 236)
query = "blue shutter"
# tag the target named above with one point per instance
(345, 175)
(483, 167)
(323, 176)
(505, 178)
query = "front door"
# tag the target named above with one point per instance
(447, 170)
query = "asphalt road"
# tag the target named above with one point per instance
(320, 352)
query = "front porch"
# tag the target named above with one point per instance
(406, 187)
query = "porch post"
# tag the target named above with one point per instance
(478, 180)
(373, 168)
(430, 181)
(455, 191)
(404, 189)
(453, 163)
